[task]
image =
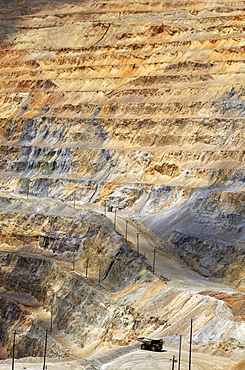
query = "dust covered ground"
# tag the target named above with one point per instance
(147, 360)
(137, 360)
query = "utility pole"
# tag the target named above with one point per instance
(99, 274)
(137, 243)
(27, 191)
(190, 345)
(87, 268)
(74, 199)
(126, 232)
(52, 223)
(45, 350)
(173, 362)
(180, 340)
(154, 261)
(51, 319)
(13, 349)
(115, 219)
(73, 262)
(119, 272)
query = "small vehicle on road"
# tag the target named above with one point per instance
(151, 344)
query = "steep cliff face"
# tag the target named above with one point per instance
(129, 107)
(139, 106)
(49, 288)
(87, 318)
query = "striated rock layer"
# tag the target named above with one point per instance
(134, 107)
(140, 105)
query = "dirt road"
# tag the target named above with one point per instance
(166, 263)
(147, 360)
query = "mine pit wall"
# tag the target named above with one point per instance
(89, 237)
(51, 159)
(92, 316)
(207, 232)
(145, 116)
(205, 227)
(141, 108)
(30, 335)
(79, 306)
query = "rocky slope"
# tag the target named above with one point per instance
(87, 319)
(139, 106)
(134, 107)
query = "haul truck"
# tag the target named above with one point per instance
(151, 344)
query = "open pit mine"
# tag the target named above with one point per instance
(122, 178)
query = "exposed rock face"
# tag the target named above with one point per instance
(207, 231)
(141, 107)
(137, 107)
(79, 306)
(29, 337)
(88, 316)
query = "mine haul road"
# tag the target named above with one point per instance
(179, 276)
(166, 263)
(168, 266)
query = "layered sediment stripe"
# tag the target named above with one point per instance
(135, 98)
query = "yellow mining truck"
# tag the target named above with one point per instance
(151, 344)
